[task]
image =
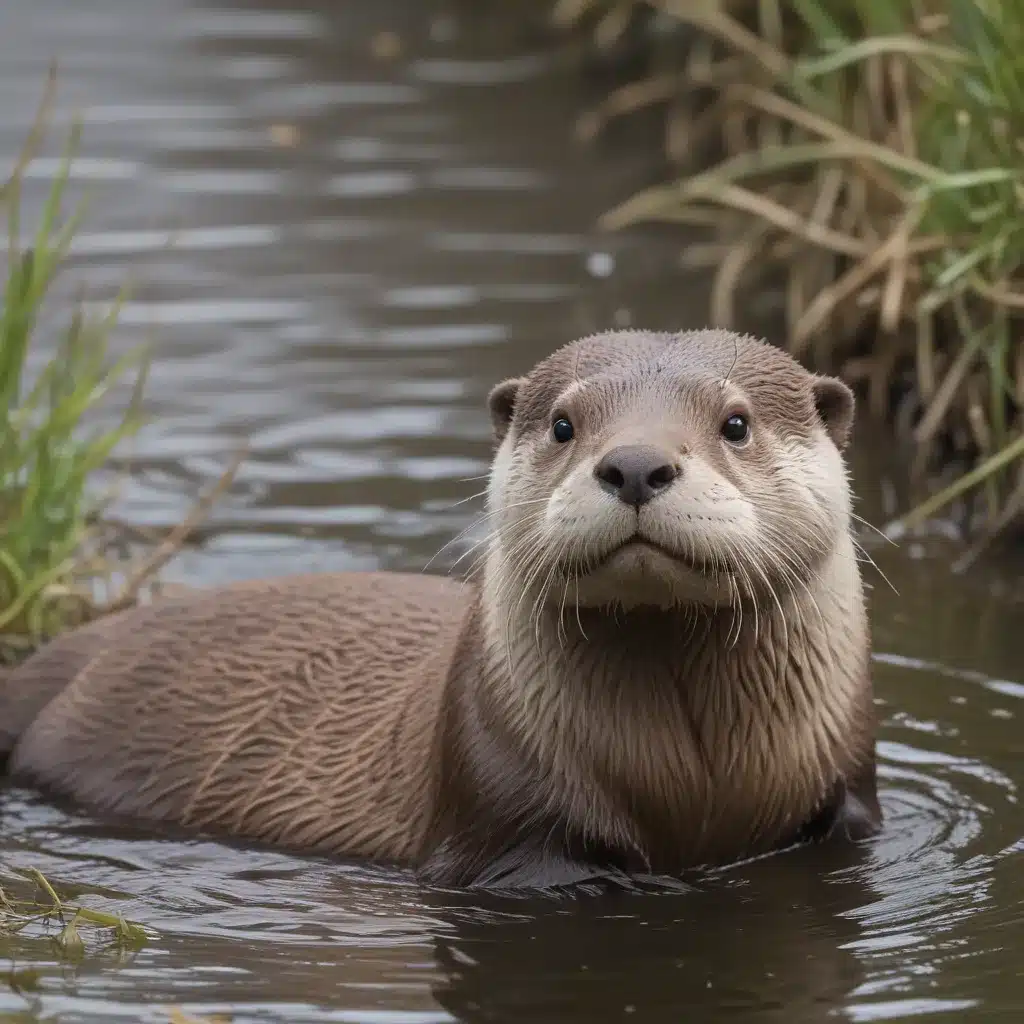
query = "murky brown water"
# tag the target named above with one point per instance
(363, 245)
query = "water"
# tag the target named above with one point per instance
(364, 241)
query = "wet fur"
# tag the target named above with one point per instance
(551, 721)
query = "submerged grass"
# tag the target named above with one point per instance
(55, 548)
(872, 160)
(44, 909)
(32, 910)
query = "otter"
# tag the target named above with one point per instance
(660, 663)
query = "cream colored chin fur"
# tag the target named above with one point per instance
(582, 554)
(744, 754)
(699, 516)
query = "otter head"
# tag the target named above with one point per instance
(667, 469)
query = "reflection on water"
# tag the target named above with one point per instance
(338, 246)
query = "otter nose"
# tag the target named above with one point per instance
(636, 473)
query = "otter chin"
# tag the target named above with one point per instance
(640, 571)
(660, 663)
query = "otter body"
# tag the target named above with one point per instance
(663, 663)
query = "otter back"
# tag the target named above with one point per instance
(298, 711)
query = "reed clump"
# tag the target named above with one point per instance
(57, 567)
(868, 157)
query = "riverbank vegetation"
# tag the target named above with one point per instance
(865, 158)
(57, 562)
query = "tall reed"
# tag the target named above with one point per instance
(870, 160)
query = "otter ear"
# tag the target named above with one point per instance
(502, 403)
(834, 402)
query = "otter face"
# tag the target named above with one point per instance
(665, 469)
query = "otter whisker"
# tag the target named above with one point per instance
(486, 541)
(561, 614)
(528, 547)
(479, 522)
(757, 566)
(542, 592)
(737, 608)
(789, 571)
(533, 573)
(569, 573)
(736, 619)
(471, 497)
(748, 584)
(740, 554)
(532, 554)
(783, 549)
(492, 542)
(576, 577)
(875, 529)
(557, 571)
(518, 562)
(874, 565)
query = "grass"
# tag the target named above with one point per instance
(39, 908)
(55, 549)
(46, 459)
(869, 158)
(43, 908)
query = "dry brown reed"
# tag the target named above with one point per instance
(865, 156)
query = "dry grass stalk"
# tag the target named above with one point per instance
(872, 159)
(41, 908)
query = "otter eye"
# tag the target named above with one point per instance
(736, 429)
(562, 430)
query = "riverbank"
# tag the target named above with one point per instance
(863, 159)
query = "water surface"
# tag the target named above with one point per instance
(338, 245)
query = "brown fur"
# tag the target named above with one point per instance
(518, 730)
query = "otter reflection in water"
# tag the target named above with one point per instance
(662, 663)
(770, 943)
